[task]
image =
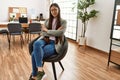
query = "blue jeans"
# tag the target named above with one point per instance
(40, 50)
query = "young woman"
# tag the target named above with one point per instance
(54, 28)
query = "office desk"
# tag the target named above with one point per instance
(3, 24)
(24, 25)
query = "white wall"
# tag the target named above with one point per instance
(33, 6)
(99, 28)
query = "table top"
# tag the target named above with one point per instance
(4, 24)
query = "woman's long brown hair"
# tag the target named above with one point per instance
(51, 16)
(58, 19)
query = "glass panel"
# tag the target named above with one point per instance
(115, 34)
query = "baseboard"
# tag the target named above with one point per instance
(73, 41)
(97, 50)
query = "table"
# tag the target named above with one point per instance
(24, 25)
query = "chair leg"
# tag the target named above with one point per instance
(13, 38)
(25, 35)
(22, 41)
(54, 70)
(8, 40)
(30, 37)
(61, 65)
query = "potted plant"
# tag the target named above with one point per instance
(84, 15)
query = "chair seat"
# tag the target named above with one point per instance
(4, 31)
(15, 33)
(51, 58)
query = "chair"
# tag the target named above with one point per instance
(34, 28)
(15, 29)
(53, 58)
(4, 31)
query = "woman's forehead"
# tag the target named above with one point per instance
(54, 7)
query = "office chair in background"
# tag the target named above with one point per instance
(5, 32)
(15, 29)
(34, 28)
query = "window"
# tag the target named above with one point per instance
(68, 14)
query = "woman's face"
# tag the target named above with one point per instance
(54, 11)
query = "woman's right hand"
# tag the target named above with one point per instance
(60, 28)
(44, 28)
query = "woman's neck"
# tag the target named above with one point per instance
(55, 18)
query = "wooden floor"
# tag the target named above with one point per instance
(79, 64)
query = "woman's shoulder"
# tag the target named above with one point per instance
(46, 21)
(63, 21)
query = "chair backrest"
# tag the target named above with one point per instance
(53, 58)
(33, 27)
(14, 28)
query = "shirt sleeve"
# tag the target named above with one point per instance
(58, 32)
